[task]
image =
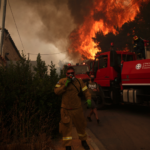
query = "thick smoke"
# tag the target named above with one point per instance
(56, 21)
(46, 21)
(116, 16)
(79, 9)
(61, 65)
(59, 18)
(53, 21)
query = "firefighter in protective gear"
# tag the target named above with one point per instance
(71, 109)
(139, 47)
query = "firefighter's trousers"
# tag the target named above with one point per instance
(69, 117)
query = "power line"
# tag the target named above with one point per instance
(45, 54)
(65, 58)
(16, 25)
(48, 54)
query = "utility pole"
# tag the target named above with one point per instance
(3, 27)
(0, 4)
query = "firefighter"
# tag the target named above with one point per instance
(71, 89)
(139, 47)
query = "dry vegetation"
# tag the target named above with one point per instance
(29, 109)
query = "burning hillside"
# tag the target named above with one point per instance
(104, 16)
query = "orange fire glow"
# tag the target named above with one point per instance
(126, 49)
(115, 13)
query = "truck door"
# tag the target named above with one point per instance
(102, 76)
(102, 69)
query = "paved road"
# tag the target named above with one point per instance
(123, 128)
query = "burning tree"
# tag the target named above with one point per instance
(106, 21)
(139, 26)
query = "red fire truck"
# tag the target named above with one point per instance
(81, 71)
(88, 62)
(122, 78)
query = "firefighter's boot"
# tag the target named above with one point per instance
(68, 147)
(85, 145)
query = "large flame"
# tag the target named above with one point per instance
(113, 13)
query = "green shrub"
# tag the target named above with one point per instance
(28, 104)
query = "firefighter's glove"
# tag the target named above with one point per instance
(67, 82)
(89, 103)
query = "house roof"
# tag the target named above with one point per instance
(11, 40)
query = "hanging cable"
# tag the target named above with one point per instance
(48, 54)
(65, 58)
(16, 25)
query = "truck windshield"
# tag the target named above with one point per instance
(127, 57)
(124, 57)
(81, 69)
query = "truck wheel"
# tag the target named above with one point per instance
(101, 101)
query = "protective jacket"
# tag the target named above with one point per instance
(71, 109)
(70, 98)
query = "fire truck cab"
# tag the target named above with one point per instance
(107, 70)
(107, 65)
(82, 71)
(88, 62)
(122, 78)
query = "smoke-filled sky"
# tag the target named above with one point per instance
(44, 27)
